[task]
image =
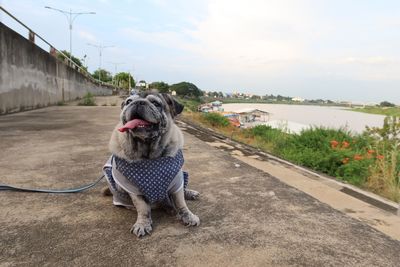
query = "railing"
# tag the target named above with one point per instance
(54, 51)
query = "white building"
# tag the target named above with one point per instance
(298, 99)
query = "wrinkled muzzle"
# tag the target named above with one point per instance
(141, 119)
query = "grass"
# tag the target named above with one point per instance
(370, 160)
(215, 119)
(87, 100)
(189, 103)
(387, 111)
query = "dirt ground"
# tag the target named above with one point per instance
(248, 217)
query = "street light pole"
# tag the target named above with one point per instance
(100, 47)
(71, 16)
(116, 64)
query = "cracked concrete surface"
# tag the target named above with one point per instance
(249, 218)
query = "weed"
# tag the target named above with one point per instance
(215, 119)
(370, 160)
(87, 100)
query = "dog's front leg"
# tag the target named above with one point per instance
(184, 214)
(143, 223)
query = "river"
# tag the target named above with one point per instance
(296, 117)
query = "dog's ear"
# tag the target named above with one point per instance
(175, 107)
(123, 104)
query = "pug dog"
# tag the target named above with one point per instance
(145, 169)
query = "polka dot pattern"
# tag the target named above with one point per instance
(151, 177)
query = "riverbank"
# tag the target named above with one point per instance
(359, 159)
(314, 116)
(275, 101)
(387, 111)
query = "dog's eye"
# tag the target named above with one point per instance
(128, 101)
(155, 103)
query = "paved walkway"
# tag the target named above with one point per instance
(249, 218)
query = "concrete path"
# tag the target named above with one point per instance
(249, 218)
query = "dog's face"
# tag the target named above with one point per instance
(148, 115)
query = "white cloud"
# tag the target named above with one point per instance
(87, 36)
(253, 34)
(377, 60)
(280, 44)
(170, 39)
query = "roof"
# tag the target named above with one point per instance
(251, 110)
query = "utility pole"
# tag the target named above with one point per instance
(100, 47)
(116, 64)
(71, 16)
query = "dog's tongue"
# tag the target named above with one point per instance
(133, 124)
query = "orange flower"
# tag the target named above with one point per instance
(358, 157)
(345, 144)
(380, 156)
(334, 143)
(370, 151)
(345, 160)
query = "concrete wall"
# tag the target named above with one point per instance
(32, 78)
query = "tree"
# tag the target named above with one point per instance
(186, 89)
(122, 80)
(105, 76)
(386, 104)
(213, 94)
(76, 60)
(162, 87)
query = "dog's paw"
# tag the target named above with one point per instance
(191, 194)
(141, 229)
(106, 191)
(188, 218)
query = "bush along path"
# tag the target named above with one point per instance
(370, 160)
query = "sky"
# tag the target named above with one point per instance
(329, 49)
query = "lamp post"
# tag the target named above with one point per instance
(71, 16)
(116, 64)
(100, 47)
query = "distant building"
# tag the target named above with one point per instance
(297, 99)
(216, 103)
(142, 84)
(250, 117)
(346, 103)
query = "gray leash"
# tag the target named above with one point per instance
(4, 187)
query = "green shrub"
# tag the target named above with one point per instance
(355, 172)
(87, 100)
(268, 134)
(329, 151)
(215, 119)
(370, 160)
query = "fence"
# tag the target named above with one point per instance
(54, 51)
